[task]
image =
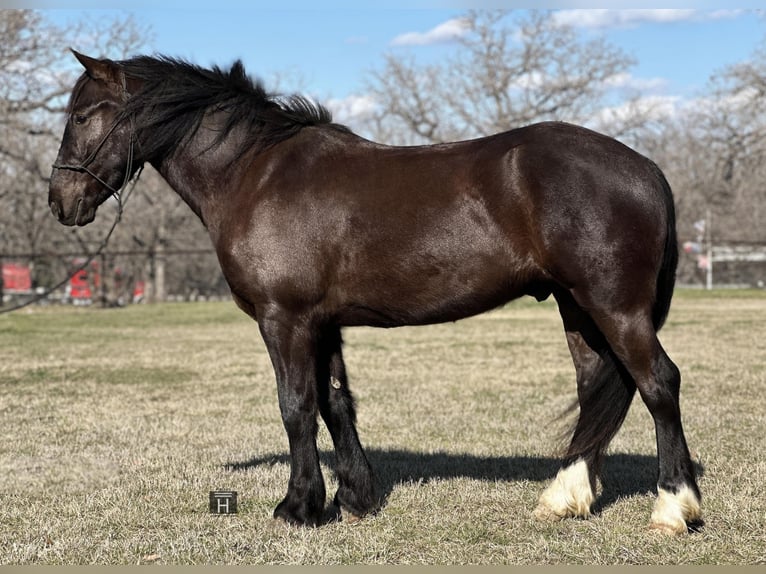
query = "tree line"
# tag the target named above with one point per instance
(508, 70)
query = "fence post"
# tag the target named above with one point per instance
(159, 273)
(160, 293)
(156, 284)
(102, 284)
(2, 284)
(709, 229)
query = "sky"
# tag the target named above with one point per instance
(328, 49)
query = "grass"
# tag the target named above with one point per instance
(117, 423)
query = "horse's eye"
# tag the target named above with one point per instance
(80, 119)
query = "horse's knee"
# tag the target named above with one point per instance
(667, 376)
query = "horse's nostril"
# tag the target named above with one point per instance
(56, 210)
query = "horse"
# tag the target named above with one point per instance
(317, 229)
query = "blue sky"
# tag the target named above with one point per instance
(329, 51)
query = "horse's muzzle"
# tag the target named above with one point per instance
(69, 199)
(81, 214)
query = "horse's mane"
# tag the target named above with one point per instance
(176, 95)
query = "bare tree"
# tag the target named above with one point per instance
(508, 71)
(177, 257)
(714, 155)
(735, 126)
(729, 133)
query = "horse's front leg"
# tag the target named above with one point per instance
(292, 347)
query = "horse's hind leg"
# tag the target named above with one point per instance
(634, 340)
(356, 490)
(604, 394)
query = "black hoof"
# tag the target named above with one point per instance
(354, 508)
(298, 513)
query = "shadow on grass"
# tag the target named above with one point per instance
(622, 474)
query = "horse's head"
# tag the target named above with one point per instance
(96, 156)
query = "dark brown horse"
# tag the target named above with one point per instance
(317, 228)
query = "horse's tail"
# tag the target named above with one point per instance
(666, 278)
(603, 404)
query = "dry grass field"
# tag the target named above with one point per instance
(117, 423)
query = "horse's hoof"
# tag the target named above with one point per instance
(674, 511)
(544, 513)
(349, 517)
(280, 522)
(284, 522)
(669, 529)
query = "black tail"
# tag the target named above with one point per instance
(666, 279)
(604, 403)
(603, 399)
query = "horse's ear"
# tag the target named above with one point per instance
(104, 70)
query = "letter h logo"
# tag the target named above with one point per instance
(223, 502)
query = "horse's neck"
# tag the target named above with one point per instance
(179, 175)
(200, 170)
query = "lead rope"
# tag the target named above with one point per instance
(122, 199)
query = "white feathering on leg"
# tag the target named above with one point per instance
(570, 494)
(672, 512)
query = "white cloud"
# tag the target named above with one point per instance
(630, 18)
(653, 107)
(448, 31)
(661, 108)
(626, 80)
(723, 14)
(352, 108)
(528, 81)
(620, 81)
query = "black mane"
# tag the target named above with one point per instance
(176, 95)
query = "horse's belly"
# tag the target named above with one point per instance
(408, 294)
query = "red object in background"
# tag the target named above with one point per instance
(16, 278)
(139, 291)
(79, 287)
